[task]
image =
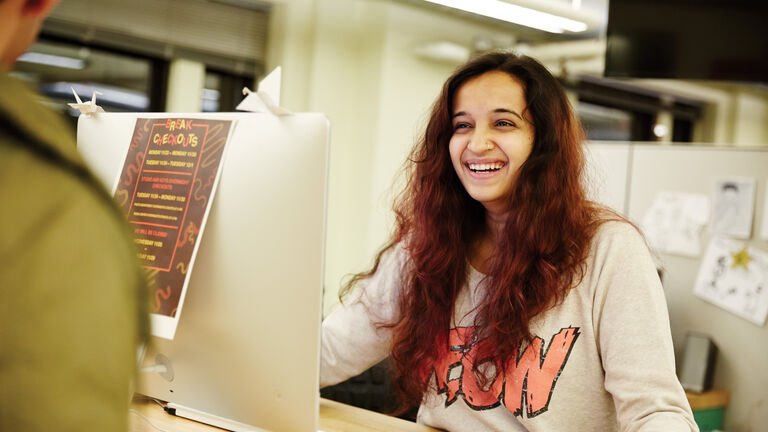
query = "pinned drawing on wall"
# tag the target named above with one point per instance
(734, 277)
(733, 201)
(674, 222)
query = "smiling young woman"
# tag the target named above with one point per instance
(491, 139)
(505, 299)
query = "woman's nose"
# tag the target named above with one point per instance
(479, 142)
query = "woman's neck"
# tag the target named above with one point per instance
(494, 225)
(483, 246)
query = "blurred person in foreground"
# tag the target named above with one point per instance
(73, 298)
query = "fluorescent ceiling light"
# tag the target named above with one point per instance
(509, 12)
(443, 51)
(52, 60)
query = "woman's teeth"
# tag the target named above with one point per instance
(485, 167)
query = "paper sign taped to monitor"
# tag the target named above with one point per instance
(165, 188)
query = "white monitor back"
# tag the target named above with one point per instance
(247, 344)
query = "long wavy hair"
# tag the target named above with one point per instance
(541, 253)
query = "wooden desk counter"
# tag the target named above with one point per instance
(708, 399)
(334, 417)
(339, 417)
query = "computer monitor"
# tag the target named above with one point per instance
(245, 355)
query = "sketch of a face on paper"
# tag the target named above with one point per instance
(733, 203)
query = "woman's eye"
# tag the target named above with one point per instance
(504, 123)
(461, 126)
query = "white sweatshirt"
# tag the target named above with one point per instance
(602, 360)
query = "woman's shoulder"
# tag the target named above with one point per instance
(618, 244)
(616, 232)
(616, 226)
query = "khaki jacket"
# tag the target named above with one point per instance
(73, 305)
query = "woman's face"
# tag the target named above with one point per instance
(492, 137)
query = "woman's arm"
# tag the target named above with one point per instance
(353, 338)
(635, 342)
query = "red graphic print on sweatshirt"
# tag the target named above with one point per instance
(524, 381)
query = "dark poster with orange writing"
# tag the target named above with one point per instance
(166, 188)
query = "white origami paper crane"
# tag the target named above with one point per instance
(86, 108)
(266, 98)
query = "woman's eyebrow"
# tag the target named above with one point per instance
(504, 110)
(497, 110)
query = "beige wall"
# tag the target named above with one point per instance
(290, 44)
(751, 118)
(186, 79)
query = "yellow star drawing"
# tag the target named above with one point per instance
(741, 259)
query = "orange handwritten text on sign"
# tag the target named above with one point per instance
(178, 139)
(178, 124)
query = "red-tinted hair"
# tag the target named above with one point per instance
(545, 240)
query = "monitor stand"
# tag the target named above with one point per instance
(213, 420)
